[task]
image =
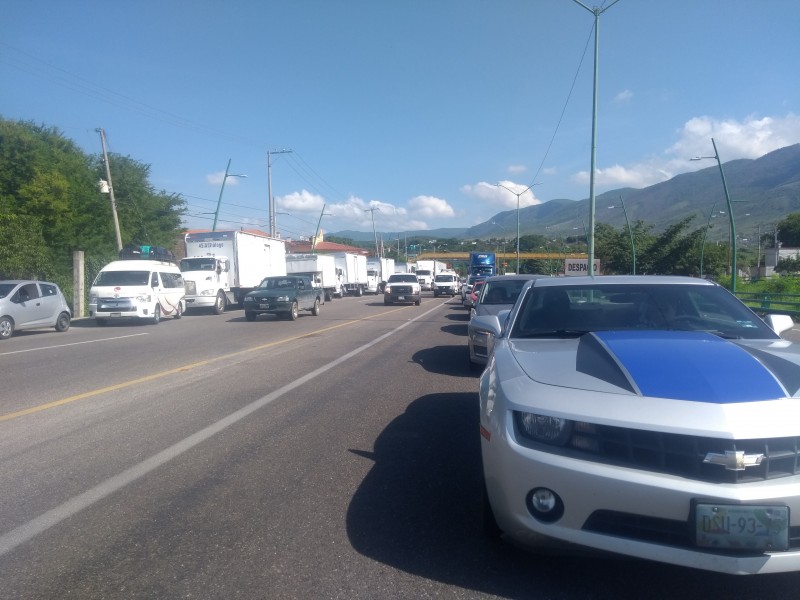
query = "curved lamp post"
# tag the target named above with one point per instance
(730, 213)
(517, 194)
(222, 189)
(630, 234)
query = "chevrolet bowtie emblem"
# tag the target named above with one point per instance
(734, 461)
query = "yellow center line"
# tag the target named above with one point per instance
(181, 369)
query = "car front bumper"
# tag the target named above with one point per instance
(621, 510)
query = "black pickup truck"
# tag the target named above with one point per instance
(285, 296)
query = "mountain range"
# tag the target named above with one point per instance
(763, 191)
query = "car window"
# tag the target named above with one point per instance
(574, 310)
(6, 289)
(48, 290)
(28, 292)
(122, 278)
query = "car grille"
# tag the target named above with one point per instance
(402, 289)
(682, 455)
(115, 304)
(191, 287)
(658, 531)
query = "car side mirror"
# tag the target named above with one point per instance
(779, 323)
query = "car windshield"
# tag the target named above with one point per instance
(574, 310)
(448, 278)
(402, 279)
(6, 288)
(123, 278)
(276, 283)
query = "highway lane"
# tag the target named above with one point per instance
(333, 457)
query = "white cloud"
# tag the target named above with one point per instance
(302, 201)
(430, 207)
(502, 197)
(750, 138)
(517, 169)
(623, 97)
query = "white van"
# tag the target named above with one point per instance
(142, 289)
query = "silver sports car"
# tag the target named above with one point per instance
(656, 417)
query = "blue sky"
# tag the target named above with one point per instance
(417, 108)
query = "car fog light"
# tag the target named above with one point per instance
(544, 505)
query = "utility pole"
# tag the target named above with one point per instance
(110, 188)
(272, 226)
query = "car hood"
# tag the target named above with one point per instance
(679, 365)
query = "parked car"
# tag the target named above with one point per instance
(497, 293)
(445, 284)
(285, 296)
(402, 287)
(654, 417)
(30, 305)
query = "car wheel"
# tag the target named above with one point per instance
(293, 312)
(62, 323)
(219, 304)
(418, 301)
(250, 315)
(315, 310)
(6, 328)
(156, 314)
(179, 310)
(489, 527)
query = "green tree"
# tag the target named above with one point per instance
(23, 253)
(789, 231)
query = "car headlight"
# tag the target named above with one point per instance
(480, 337)
(249, 299)
(282, 299)
(387, 289)
(544, 428)
(208, 292)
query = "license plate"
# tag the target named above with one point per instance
(263, 306)
(116, 314)
(401, 297)
(742, 527)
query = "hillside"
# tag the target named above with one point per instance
(763, 191)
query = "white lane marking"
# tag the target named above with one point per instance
(119, 337)
(27, 531)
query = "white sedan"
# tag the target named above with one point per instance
(655, 417)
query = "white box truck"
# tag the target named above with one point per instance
(378, 271)
(320, 267)
(352, 268)
(222, 266)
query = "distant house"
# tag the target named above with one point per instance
(323, 247)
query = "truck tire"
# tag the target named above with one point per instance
(328, 296)
(179, 310)
(219, 304)
(292, 314)
(360, 291)
(156, 315)
(315, 309)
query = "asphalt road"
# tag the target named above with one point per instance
(331, 457)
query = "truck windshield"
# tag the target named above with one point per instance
(198, 264)
(275, 283)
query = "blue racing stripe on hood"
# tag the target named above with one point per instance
(690, 365)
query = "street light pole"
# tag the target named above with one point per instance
(316, 235)
(596, 12)
(372, 210)
(222, 189)
(730, 213)
(517, 194)
(630, 234)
